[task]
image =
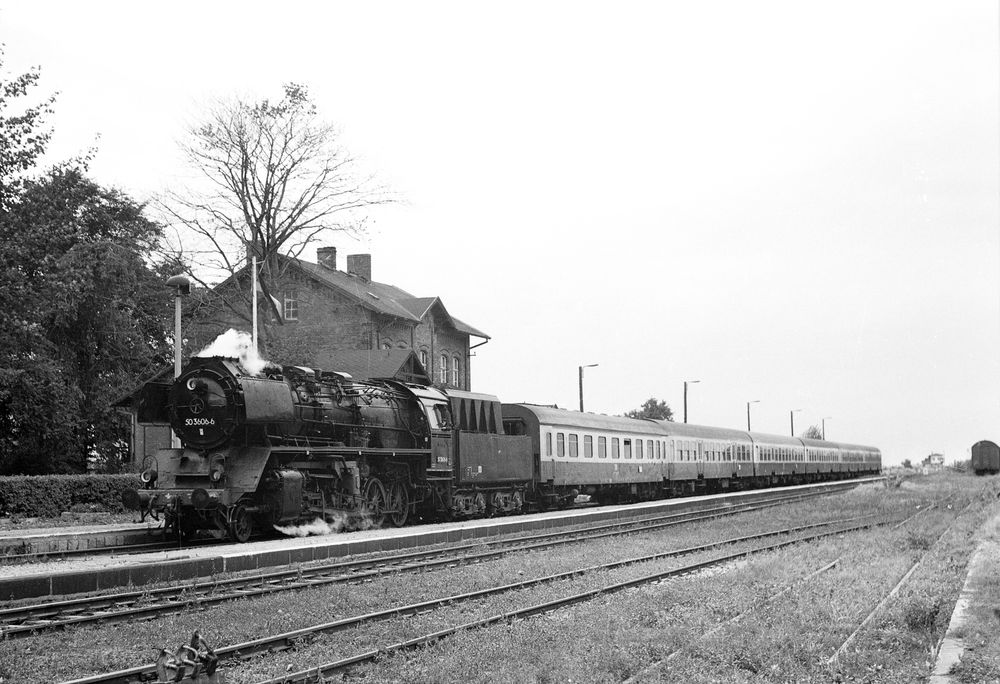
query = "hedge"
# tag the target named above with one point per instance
(46, 496)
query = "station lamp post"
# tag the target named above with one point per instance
(791, 419)
(824, 425)
(182, 286)
(686, 383)
(755, 401)
(589, 365)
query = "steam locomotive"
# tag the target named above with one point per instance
(290, 444)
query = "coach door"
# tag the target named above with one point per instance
(701, 459)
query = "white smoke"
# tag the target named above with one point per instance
(316, 528)
(236, 344)
(320, 527)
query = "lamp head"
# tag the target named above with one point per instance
(181, 283)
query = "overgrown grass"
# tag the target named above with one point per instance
(614, 637)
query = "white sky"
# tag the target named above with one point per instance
(792, 202)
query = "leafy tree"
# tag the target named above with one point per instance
(907, 463)
(652, 408)
(274, 180)
(813, 432)
(82, 320)
(23, 137)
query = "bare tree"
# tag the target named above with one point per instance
(274, 180)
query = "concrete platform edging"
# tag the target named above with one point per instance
(204, 563)
(983, 565)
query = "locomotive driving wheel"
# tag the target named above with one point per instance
(240, 523)
(373, 506)
(399, 503)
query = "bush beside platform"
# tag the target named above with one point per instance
(48, 496)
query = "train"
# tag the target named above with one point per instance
(286, 445)
(985, 458)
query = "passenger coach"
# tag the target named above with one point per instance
(615, 459)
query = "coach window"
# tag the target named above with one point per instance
(638, 448)
(574, 446)
(628, 448)
(588, 446)
(602, 447)
(560, 444)
(616, 451)
(548, 443)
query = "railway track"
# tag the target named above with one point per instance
(25, 620)
(22, 552)
(757, 544)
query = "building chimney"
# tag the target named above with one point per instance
(360, 265)
(327, 256)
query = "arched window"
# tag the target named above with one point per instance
(387, 345)
(443, 370)
(455, 368)
(423, 359)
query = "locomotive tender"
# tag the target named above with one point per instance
(292, 444)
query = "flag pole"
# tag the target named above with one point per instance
(254, 305)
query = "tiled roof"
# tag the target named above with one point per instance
(384, 298)
(373, 295)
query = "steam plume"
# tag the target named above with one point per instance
(236, 344)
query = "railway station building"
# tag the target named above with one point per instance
(342, 319)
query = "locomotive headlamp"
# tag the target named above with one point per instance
(217, 469)
(197, 385)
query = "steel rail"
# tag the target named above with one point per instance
(30, 619)
(13, 553)
(317, 674)
(657, 664)
(895, 590)
(284, 641)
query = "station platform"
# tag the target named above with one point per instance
(76, 537)
(27, 581)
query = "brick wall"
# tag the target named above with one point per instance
(435, 338)
(329, 321)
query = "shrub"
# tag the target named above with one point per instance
(30, 496)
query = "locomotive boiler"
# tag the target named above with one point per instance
(292, 444)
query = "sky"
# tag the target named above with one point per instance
(794, 203)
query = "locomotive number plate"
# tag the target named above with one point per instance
(199, 421)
